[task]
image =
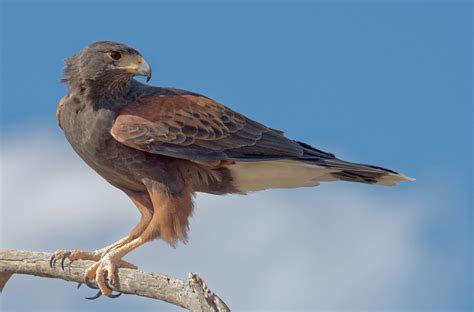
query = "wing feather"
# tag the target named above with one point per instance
(186, 125)
(190, 126)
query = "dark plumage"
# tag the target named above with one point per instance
(160, 145)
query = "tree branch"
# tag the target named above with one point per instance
(193, 294)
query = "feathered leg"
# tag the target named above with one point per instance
(144, 205)
(169, 221)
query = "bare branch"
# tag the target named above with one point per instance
(193, 294)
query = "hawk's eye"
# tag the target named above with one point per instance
(115, 55)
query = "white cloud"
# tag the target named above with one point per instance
(335, 247)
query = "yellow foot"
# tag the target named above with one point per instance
(104, 273)
(73, 255)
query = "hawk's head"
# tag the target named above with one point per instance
(105, 60)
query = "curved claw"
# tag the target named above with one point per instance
(115, 296)
(65, 255)
(106, 280)
(88, 283)
(99, 293)
(51, 261)
(79, 285)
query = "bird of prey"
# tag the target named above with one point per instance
(161, 145)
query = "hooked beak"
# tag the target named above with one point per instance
(144, 69)
(138, 67)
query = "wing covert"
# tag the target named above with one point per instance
(190, 126)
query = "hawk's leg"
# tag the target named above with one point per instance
(144, 205)
(169, 222)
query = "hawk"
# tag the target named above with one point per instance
(161, 145)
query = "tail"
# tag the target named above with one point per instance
(352, 172)
(310, 169)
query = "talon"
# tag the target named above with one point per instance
(99, 293)
(106, 280)
(64, 257)
(51, 261)
(88, 283)
(102, 273)
(79, 285)
(116, 295)
(107, 283)
(110, 277)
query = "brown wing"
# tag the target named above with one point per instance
(194, 127)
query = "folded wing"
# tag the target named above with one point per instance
(193, 127)
(197, 128)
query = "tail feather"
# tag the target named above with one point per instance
(352, 172)
(260, 175)
(312, 167)
(362, 173)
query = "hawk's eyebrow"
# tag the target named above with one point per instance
(132, 51)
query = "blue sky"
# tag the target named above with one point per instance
(386, 83)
